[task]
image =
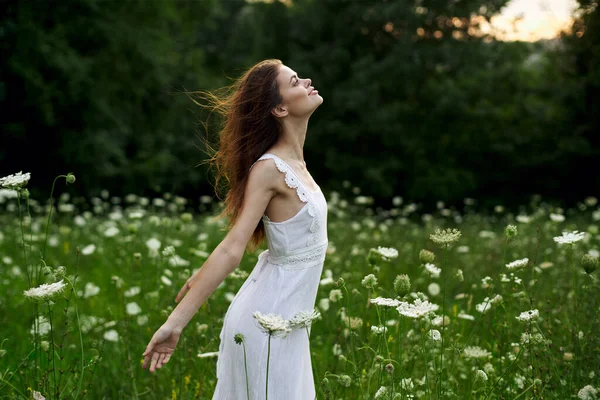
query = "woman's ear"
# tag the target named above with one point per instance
(279, 111)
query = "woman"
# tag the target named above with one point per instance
(272, 195)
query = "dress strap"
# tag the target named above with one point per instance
(291, 179)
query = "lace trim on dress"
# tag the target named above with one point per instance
(304, 259)
(294, 182)
(291, 180)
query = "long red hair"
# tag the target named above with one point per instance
(248, 130)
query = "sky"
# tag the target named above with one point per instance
(542, 19)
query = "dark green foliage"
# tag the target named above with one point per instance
(94, 87)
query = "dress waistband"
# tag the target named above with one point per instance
(298, 259)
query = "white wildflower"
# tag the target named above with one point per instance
(387, 253)
(530, 315)
(462, 315)
(381, 392)
(335, 295)
(328, 280)
(112, 231)
(587, 393)
(324, 304)
(433, 289)
(417, 310)
(15, 181)
(45, 291)
(369, 281)
(37, 395)
(337, 349)
(435, 335)
(207, 355)
(168, 251)
(445, 237)
(133, 308)
(89, 249)
(132, 291)
(272, 324)
(153, 244)
(557, 217)
(90, 290)
(476, 352)
(433, 270)
(42, 325)
(569, 237)
(517, 264)
(111, 336)
(381, 301)
(165, 280)
(462, 249)
(378, 330)
(176, 261)
(407, 384)
(303, 319)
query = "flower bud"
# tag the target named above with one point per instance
(25, 193)
(70, 178)
(459, 275)
(47, 271)
(373, 257)
(510, 231)
(369, 281)
(186, 217)
(589, 263)
(479, 380)
(60, 272)
(137, 256)
(2, 353)
(426, 256)
(44, 345)
(238, 338)
(389, 368)
(402, 285)
(345, 380)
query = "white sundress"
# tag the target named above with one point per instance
(284, 281)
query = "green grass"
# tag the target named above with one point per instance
(563, 357)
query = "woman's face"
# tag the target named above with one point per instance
(300, 98)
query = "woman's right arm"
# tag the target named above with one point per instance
(260, 188)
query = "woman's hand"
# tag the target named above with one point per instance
(161, 346)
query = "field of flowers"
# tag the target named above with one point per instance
(411, 305)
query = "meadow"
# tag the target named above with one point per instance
(411, 305)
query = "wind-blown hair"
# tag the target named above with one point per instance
(248, 131)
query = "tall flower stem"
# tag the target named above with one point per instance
(50, 214)
(445, 273)
(23, 239)
(424, 350)
(246, 369)
(52, 346)
(315, 368)
(268, 356)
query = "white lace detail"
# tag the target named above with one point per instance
(303, 193)
(304, 259)
(291, 180)
(314, 226)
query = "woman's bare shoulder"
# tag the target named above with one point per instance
(264, 175)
